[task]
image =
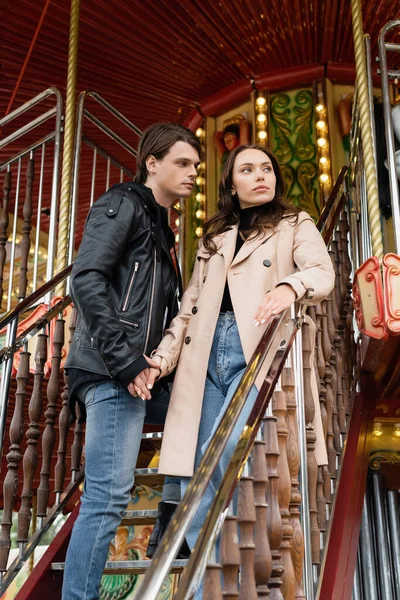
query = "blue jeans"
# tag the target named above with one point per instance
(113, 434)
(225, 370)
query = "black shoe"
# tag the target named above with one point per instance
(165, 512)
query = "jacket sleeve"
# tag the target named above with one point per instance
(110, 225)
(170, 346)
(315, 277)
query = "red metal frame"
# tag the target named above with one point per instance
(42, 583)
(337, 573)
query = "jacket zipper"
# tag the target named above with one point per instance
(131, 323)
(151, 299)
(128, 293)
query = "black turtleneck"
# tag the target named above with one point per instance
(245, 216)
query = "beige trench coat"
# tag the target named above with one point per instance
(293, 254)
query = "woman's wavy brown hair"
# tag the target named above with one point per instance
(269, 215)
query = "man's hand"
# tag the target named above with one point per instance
(140, 385)
(274, 303)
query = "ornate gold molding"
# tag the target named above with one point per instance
(383, 456)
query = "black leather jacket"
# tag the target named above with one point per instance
(123, 283)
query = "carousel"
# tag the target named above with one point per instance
(318, 83)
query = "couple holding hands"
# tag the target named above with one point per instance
(258, 255)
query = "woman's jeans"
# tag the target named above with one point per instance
(113, 434)
(225, 370)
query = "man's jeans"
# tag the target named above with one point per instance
(113, 433)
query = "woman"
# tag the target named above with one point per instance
(258, 255)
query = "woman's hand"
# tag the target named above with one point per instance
(274, 303)
(143, 382)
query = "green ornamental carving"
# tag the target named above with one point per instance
(293, 140)
(305, 149)
(280, 114)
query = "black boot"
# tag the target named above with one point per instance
(165, 512)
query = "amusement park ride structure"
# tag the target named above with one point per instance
(306, 528)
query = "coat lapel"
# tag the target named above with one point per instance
(250, 246)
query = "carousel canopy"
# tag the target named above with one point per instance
(159, 59)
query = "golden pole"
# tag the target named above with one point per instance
(366, 134)
(68, 148)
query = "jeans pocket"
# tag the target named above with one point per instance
(89, 395)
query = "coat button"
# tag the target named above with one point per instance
(194, 310)
(188, 339)
(267, 262)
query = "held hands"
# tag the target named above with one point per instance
(143, 383)
(275, 302)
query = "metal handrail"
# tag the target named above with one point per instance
(181, 520)
(82, 112)
(389, 131)
(9, 316)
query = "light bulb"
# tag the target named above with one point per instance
(200, 214)
(177, 238)
(324, 178)
(323, 160)
(261, 101)
(262, 135)
(321, 125)
(200, 181)
(321, 142)
(200, 197)
(396, 429)
(261, 118)
(377, 429)
(199, 132)
(319, 108)
(199, 231)
(177, 222)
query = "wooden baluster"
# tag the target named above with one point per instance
(246, 521)
(331, 322)
(312, 468)
(285, 488)
(329, 411)
(336, 290)
(319, 348)
(322, 403)
(341, 265)
(274, 521)
(293, 456)
(334, 384)
(26, 229)
(49, 436)
(263, 558)
(321, 502)
(230, 558)
(343, 227)
(33, 433)
(326, 341)
(63, 425)
(10, 486)
(339, 394)
(4, 222)
(76, 448)
(212, 583)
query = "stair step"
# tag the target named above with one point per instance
(155, 435)
(128, 567)
(139, 517)
(149, 477)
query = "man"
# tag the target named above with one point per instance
(124, 285)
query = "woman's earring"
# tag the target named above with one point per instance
(233, 192)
